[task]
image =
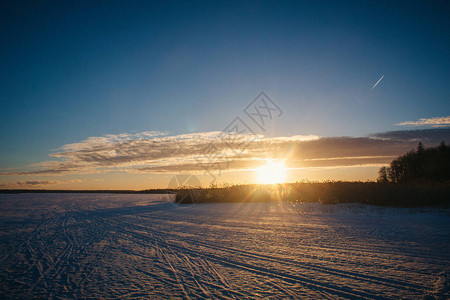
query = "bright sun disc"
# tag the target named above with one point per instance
(272, 172)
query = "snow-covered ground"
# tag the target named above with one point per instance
(143, 246)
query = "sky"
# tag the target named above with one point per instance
(128, 94)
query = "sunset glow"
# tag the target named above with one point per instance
(272, 172)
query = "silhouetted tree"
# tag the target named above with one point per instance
(420, 148)
(382, 174)
(423, 165)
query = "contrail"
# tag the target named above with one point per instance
(381, 78)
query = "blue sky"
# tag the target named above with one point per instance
(71, 70)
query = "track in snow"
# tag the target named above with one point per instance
(140, 246)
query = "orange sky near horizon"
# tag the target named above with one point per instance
(150, 160)
(128, 181)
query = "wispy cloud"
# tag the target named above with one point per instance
(433, 122)
(155, 152)
(29, 183)
(37, 183)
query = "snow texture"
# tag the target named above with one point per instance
(143, 246)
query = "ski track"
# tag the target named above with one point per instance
(98, 246)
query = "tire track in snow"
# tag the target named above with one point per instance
(204, 286)
(393, 283)
(174, 271)
(375, 249)
(309, 283)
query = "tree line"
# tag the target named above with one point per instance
(419, 166)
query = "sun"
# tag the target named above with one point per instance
(272, 172)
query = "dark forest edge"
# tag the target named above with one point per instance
(417, 178)
(332, 192)
(431, 165)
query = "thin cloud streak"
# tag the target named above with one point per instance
(36, 183)
(379, 80)
(433, 122)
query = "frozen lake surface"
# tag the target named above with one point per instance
(142, 246)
